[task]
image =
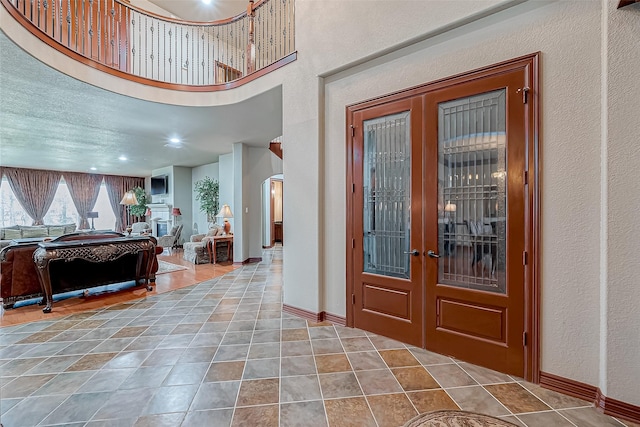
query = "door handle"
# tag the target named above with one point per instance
(432, 254)
(413, 252)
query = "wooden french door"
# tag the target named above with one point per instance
(387, 221)
(465, 209)
(476, 151)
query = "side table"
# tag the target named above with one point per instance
(213, 243)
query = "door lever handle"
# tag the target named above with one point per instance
(432, 254)
(413, 252)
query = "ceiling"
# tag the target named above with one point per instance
(196, 10)
(49, 120)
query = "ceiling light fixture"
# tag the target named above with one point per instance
(206, 1)
(93, 168)
(122, 158)
(175, 140)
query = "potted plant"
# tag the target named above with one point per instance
(207, 192)
(141, 208)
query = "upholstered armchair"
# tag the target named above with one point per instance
(171, 240)
(140, 227)
(195, 250)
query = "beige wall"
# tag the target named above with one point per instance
(620, 245)
(589, 97)
(570, 151)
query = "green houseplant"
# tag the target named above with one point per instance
(141, 208)
(207, 193)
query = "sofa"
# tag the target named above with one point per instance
(19, 274)
(7, 234)
(195, 250)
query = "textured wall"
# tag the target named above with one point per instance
(621, 284)
(569, 41)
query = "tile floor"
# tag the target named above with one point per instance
(222, 353)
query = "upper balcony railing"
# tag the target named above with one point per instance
(119, 38)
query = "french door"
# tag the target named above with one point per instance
(442, 214)
(389, 280)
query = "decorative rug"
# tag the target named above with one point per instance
(456, 419)
(167, 267)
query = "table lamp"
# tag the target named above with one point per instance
(225, 212)
(92, 215)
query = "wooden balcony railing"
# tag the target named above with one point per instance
(138, 45)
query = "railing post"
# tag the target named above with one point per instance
(251, 47)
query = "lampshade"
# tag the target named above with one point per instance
(92, 215)
(129, 198)
(148, 212)
(176, 212)
(225, 212)
(450, 207)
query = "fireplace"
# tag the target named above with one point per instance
(161, 218)
(161, 228)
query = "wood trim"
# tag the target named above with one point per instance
(300, 312)
(618, 408)
(248, 261)
(29, 26)
(223, 71)
(567, 386)
(530, 63)
(534, 303)
(334, 318)
(624, 3)
(315, 317)
(501, 67)
(607, 405)
(349, 183)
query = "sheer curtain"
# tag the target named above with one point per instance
(116, 187)
(34, 189)
(84, 189)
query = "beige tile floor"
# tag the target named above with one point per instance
(222, 353)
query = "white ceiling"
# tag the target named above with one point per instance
(196, 10)
(51, 121)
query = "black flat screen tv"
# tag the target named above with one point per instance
(159, 185)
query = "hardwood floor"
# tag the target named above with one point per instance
(164, 283)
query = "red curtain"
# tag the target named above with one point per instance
(34, 189)
(116, 187)
(84, 189)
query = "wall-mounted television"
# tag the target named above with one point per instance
(159, 185)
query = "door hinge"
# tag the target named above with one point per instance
(353, 131)
(525, 177)
(525, 94)
(524, 339)
(353, 299)
(353, 243)
(525, 258)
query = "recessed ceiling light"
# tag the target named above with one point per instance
(175, 140)
(123, 158)
(93, 168)
(206, 1)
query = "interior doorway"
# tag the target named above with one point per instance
(272, 212)
(443, 217)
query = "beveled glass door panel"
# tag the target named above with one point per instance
(472, 192)
(386, 192)
(385, 238)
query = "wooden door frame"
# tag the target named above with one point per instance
(530, 64)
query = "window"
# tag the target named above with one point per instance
(11, 211)
(62, 210)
